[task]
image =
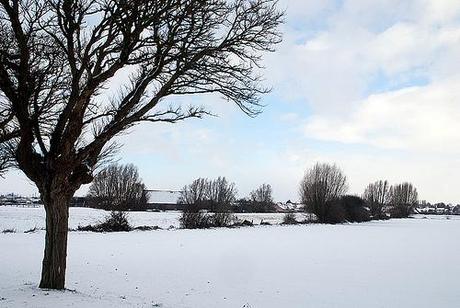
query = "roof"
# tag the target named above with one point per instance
(160, 196)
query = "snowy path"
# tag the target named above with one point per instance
(397, 263)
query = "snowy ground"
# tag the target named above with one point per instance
(396, 263)
(23, 219)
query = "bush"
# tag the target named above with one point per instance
(347, 208)
(9, 231)
(401, 210)
(289, 219)
(356, 209)
(116, 221)
(223, 219)
(194, 218)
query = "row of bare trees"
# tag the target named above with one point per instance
(323, 192)
(214, 195)
(218, 196)
(400, 199)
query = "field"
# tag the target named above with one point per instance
(396, 263)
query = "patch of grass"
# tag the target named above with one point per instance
(147, 228)
(32, 230)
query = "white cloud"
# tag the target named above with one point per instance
(418, 119)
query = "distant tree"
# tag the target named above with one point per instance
(403, 200)
(377, 195)
(214, 195)
(221, 194)
(321, 185)
(262, 199)
(118, 187)
(263, 194)
(58, 61)
(195, 193)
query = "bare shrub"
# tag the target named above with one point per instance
(192, 217)
(115, 221)
(222, 219)
(320, 186)
(289, 219)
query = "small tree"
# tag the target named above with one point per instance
(403, 200)
(377, 195)
(321, 185)
(118, 187)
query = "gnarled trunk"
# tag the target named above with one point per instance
(54, 260)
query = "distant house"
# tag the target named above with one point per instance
(289, 206)
(163, 200)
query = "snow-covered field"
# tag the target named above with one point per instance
(23, 219)
(396, 263)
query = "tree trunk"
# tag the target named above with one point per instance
(54, 260)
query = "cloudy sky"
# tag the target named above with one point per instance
(373, 86)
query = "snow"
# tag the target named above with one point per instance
(23, 219)
(396, 263)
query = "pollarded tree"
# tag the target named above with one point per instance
(377, 195)
(403, 200)
(321, 185)
(58, 60)
(118, 187)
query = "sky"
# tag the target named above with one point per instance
(373, 86)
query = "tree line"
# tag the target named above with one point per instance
(322, 191)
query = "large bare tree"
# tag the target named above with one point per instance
(321, 185)
(58, 59)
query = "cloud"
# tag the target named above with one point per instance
(417, 119)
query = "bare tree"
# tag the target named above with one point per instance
(221, 194)
(58, 59)
(321, 185)
(262, 194)
(377, 196)
(118, 187)
(403, 200)
(195, 193)
(262, 199)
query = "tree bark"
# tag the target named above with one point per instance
(54, 260)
